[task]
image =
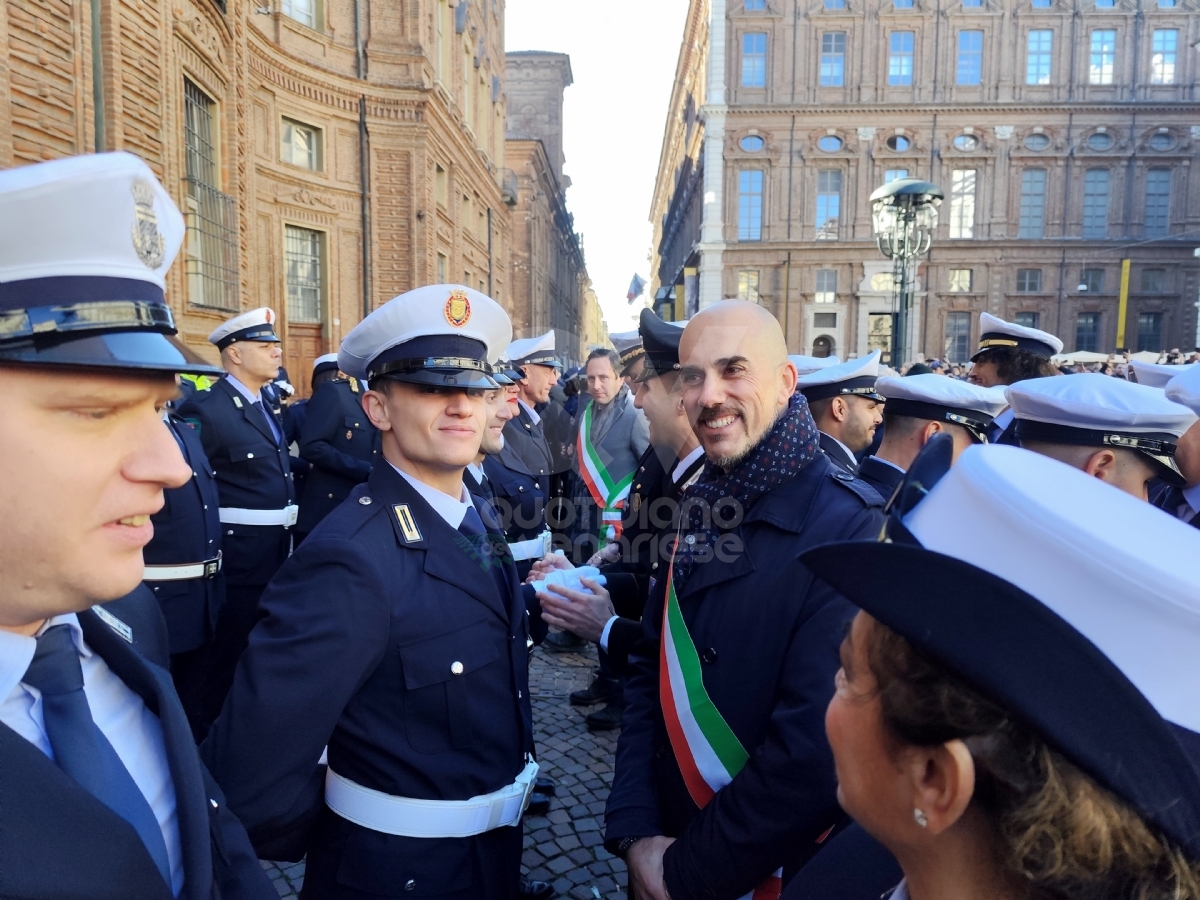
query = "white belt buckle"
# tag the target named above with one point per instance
(292, 513)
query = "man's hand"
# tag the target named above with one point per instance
(546, 565)
(610, 554)
(578, 612)
(645, 863)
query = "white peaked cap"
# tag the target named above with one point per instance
(938, 390)
(255, 325)
(854, 376)
(806, 364)
(1115, 568)
(1184, 388)
(538, 350)
(1155, 375)
(454, 313)
(995, 332)
(1098, 402)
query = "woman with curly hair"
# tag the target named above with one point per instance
(1017, 711)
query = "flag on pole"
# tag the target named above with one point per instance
(635, 288)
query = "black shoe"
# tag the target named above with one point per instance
(605, 719)
(598, 691)
(535, 890)
(539, 804)
(563, 642)
(544, 784)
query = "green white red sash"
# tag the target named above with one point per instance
(709, 754)
(608, 493)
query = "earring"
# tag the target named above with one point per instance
(920, 818)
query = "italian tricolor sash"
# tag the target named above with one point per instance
(708, 752)
(608, 493)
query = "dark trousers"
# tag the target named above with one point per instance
(189, 672)
(349, 862)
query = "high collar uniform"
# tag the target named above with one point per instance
(382, 639)
(59, 841)
(342, 445)
(767, 634)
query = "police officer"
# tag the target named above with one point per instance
(1184, 502)
(1009, 353)
(103, 793)
(918, 407)
(1120, 432)
(535, 359)
(341, 444)
(243, 436)
(183, 570)
(846, 407)
(396, 637)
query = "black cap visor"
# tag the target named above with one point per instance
(1158, 447)
(134, 351)
(1021, 653)
(444, 372)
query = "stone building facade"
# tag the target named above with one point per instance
(1063, 133)
(549, 278)
(328, 154)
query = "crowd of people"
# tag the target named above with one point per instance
(864, 633)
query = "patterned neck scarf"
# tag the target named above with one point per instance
(725, 497)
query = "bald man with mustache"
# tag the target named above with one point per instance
(724, 782)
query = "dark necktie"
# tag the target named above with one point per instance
(270, 420)
(489, 550)
(80, 748)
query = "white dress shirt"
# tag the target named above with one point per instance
(533, 413)
(132, 729)
(453, 511)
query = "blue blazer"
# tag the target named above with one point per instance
(58, 841)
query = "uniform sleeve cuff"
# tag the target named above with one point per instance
(604, 634)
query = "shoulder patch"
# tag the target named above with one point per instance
(408, 525)
(237, 401)
(354, 384)
(113, 622)
(856, 486)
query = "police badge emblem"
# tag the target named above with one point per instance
(458, 309)
(147, 239)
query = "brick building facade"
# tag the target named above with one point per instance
(1063, 133)
(328, 154)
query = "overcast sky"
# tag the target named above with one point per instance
(623, 56)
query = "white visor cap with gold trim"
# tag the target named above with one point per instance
(996, 333)
(534, 351)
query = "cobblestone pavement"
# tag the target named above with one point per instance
(564, 846)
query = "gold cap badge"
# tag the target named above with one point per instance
(458, 309)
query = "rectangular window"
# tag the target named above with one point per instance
(300, 145)
(960, 281)
(879, 335)
(1042, 4)
(1158, 202)
(1029, 281)
(970, 57)
(972, 4)
(303, 11)
(1095, 203)
(750, 198)
(1153, 281)
(748, 285)
(829, 204)
(1166, 4)
(755, 4)
(902, 4)
(833, 59)
(1087, 332)
(1033, 203)
(1103, 57)
(754, 59)
(1106, 4)
(957, 345)
(441, 193)
(890, 175)
(900, 57)
(302, 255)
(826, 286)
(825, 320)
(1038, 56)
(443, 268)
(962, 203)
(1163, 48)
(212, 266)
(1027, 319)
(835, 4)
(1092, 281)
(1149, 335)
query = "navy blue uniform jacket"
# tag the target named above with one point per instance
(882, 476)
(354, 648)
(342, 445)
(187, 530)
(767, 633)
(58, 841)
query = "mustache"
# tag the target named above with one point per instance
(716, 412)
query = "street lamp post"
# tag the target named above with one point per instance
(904, 214)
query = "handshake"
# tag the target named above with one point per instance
(573, 599)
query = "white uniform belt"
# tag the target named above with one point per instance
(534, 548)
(286, 517)
(429, 818)
(206, 569)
